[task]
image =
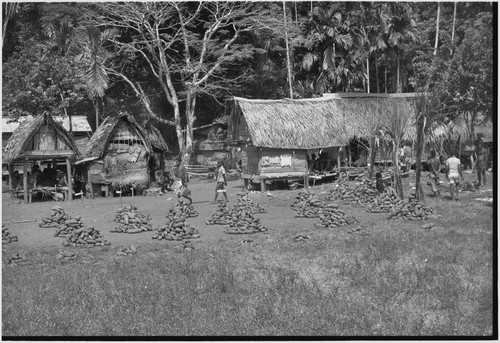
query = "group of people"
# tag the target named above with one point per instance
(178, 180)
(49, 177)
(453, 170)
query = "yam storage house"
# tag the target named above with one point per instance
(275, 135)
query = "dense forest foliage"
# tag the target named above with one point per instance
(175, 64)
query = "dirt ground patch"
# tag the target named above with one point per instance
(101, 212)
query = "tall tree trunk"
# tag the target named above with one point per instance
(437, 29)
(372, 153)
(386, 66)
(453, 28)
(368, 75)
(398, 185)
(95, 102)
(287, 54)
(398, 83)
(190, 118)
(419, 193)
(376, 74)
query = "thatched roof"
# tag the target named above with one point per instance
(17, 145)
(156, 139)
(100, 139)
(320, 122)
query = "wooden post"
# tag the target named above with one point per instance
(338, 158)
(262, 185)
(11, 181)
(25, 181)
(70, 182)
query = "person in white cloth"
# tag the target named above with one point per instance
(220, 176)
(453, 175)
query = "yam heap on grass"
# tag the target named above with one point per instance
(307, 205)
(132, 221)
(176, 228)
(362, 193)
(7, 237)
(68, 226)
(385, 202)
(411, 209)
(57, 216)
(245, 201)
(331, 216)
(222, 215)
(243, 221)
(17, 259)
(86, 237)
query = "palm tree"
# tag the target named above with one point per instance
(89, 48)
(397, 32)
(332, 59)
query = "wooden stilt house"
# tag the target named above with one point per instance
(40, 139)
(275, 136)
(118, 155)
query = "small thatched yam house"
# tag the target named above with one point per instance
(275, 136)
(118, 154)
(37, 140)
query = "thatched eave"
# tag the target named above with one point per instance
(16, 147)
(319, 122)
(96, 147)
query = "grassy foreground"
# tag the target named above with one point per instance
(399, 280)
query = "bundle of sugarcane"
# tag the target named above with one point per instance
(56, 217)
(245, 202)
(222, 215)
(132, 221)
(68, 226)
(243, 221)
(176, 228)
(385, 202)
(332, 216)
(411, 209)
(7, 237)
(85, 236)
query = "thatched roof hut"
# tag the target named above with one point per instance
(316, 123)
(100, 139)
(40, 138)
(120, 152)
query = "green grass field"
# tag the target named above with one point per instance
(399, 280)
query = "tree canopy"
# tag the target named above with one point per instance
(176, 62)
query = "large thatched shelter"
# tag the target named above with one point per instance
(119, 153)
(275, 135)
(37, 140)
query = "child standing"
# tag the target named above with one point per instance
(220, 176)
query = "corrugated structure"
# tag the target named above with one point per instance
(275, 134)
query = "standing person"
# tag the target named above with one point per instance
(453, 173)
(180, 180)
(220, 176)
(379, 182)
(435, 166)
(481, 163)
